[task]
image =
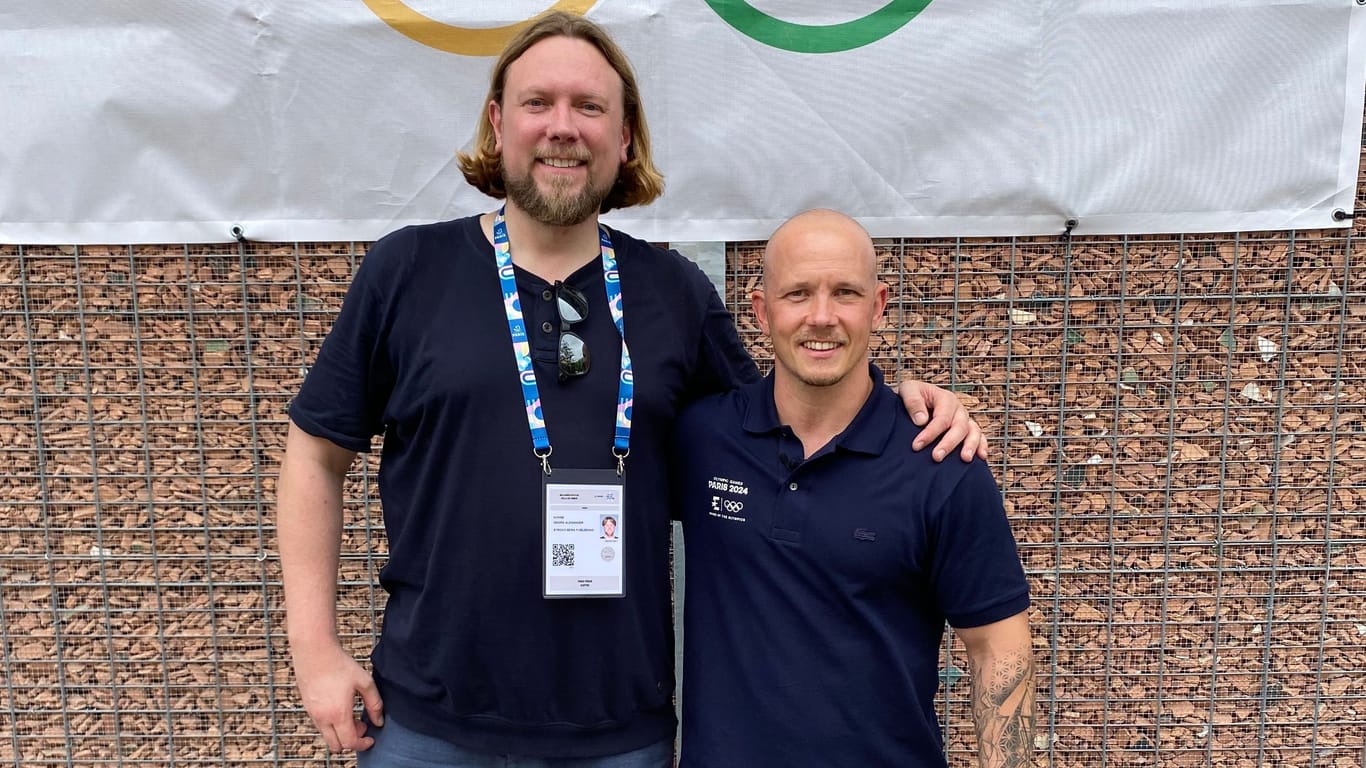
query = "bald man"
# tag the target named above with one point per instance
(824, 556)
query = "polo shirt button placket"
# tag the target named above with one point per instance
(787, 516)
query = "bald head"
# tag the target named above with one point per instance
(822, 230)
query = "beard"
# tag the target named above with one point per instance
(557, 207)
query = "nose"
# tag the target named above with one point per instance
(562, 126)
(822, 310)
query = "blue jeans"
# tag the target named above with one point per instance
(398, 747)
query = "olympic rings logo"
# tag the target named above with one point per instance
(732, 506)
(745, 18)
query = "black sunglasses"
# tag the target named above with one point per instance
(573, 307)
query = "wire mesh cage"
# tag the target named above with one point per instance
(1178, 427)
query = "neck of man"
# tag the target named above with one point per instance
(817, 414)
(551, 253)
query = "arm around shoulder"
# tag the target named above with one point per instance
(943, 416)
(723, 363)
(1001, 658)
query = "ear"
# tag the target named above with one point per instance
(759, 305)
(880, 314)
(496, 120)
(625, 141)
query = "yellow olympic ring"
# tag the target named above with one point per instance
(466, 41)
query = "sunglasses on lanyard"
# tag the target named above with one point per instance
(573, 306)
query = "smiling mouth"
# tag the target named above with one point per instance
(561, 162)
(820, 346)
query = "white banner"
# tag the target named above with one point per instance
(127, 121)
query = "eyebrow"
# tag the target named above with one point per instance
(541, 89)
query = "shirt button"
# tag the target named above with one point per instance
(547, 327)
(792, 486)
(547, 294)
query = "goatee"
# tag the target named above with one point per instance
(559, 207)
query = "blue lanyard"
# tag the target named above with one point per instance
(521, 347)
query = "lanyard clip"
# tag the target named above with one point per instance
(545, 458)
(621, 459)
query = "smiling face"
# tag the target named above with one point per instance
(820, 301)
(560, 130)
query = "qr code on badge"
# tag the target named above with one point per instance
(562, 555)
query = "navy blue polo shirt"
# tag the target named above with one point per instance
(470, 651)
(818, 589)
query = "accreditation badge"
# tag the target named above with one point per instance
(582, 532)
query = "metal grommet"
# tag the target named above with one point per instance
(547, 294)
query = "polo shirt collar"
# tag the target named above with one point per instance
(868, 432)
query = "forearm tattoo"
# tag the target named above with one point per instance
(1003, 710)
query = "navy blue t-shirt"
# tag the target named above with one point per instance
(470, 651)
(818, 589)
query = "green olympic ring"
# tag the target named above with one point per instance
(805, 38)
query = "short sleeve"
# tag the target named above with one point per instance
(345, 393)
(977, 575)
